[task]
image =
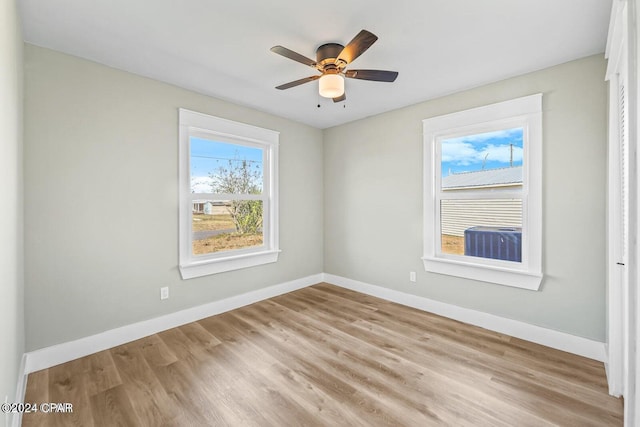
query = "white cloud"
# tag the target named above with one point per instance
(460, 152)
(201, 184)
(467, 150)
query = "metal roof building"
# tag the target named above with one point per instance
(484, 178)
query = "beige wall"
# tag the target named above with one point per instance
(11, 260)
(373, 201)
(101, 204)
(101, 200)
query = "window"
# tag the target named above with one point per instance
(483, 193)
(228, 195)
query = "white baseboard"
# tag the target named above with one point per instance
(537, 334)
(21, 387)
(61, 353)
(65, 352)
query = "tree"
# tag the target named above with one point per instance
(238, 177)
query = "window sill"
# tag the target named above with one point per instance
(502, 276)
(220, 265)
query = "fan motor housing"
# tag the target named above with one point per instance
(327, 54)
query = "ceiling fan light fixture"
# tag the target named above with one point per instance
(332, 59)
(331, 86)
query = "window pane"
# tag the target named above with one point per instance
(489, 228)
(482, 160)
(219, 225)
(223, 168)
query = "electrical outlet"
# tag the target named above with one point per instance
(164, 292)
(412, 276)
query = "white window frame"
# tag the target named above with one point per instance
(622, 366)
(525, 112)
(194, 124)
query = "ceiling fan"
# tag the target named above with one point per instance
(331, 61)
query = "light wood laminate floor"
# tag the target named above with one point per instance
(326, 356)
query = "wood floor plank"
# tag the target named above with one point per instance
(333, 386)
(154, 351)
(151, 403)
(366, 383)
(102, 373)
(325, 355)
(575, 370)
(199, 335)
(275, 362)
(196, 402)
(241, 343)
(429, 389)
(470, 366)
(67, 385)
(199, 379)
(113, 407)
(495, 363)
(37, 392)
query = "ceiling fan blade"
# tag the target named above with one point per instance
(375, 75)
(298, 82)
(356, 47)
(340, 98)
(288, 53)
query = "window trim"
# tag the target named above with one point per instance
(192, 123)
(523, 112)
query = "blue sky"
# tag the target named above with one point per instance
(475, 152)
(207, 156)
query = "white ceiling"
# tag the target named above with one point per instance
(221, 48)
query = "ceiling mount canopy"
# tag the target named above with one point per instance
(331, 61)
